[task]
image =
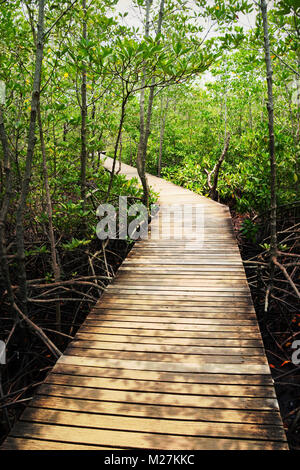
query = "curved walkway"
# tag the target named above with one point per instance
(171, 357)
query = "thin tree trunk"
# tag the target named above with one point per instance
(29, 157)
(130, 151)
(83, 154)
(240, 123)
(141, 146)
(162, 134)
(297, 136)
(122, 117)
(65, 131)
(262, 110)
(4, 209)
(225, 114)
(270, 107)
(145, 128)
(250, 116)
(93, 132)
(298, 99)
(213, 193)
(55, 265)
(120, 151)
(273, 182)
(291, 114)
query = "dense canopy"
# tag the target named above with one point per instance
(203, 94)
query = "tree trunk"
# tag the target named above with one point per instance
(250, 116)
(55, 265)
(145, 127)
(93, 132)
(141, 145)
(29, 157)
(4, 209)
(298, 99)
(270, 107)
(122, 117)
(293, 124)
(214, 174)
(130, 151)
(225, 114)
(162, 134)
(83, 154)
(65, 131)
(297, 137)
(120, 151)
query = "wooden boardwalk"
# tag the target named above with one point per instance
(171, 357)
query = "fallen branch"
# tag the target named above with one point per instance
(284, 271)
(255, 262)
(34, 282)
(59, 333)
(39, 332)
(282, 253)
(15, 402)
(64, 283)
(267, 298)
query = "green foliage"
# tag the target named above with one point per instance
(74, 243)
(37, 251)
(249, 230)
(115, 56)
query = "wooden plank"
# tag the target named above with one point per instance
(172, 399)
(165, 357)
(181, 282)
(173, 311)
(195, 284)
(204, 350)
(138, 440)
(146, 425)
(167, 366)
(165, 291)
(19, 443)
(171, 377)
(148, 385)
(172, 326)
(189, 255)
(170, 319)
(182, 262)
(179, 301)
(207, 269)
(158, 411)
(224, 342)
(192, 289)
(204, 280)
(180, 333)
(188, 276)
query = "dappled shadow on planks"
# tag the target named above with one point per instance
(170, 358)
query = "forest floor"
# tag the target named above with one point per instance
(29, 361)
(279, 326)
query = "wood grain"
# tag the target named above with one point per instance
(170, 357)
